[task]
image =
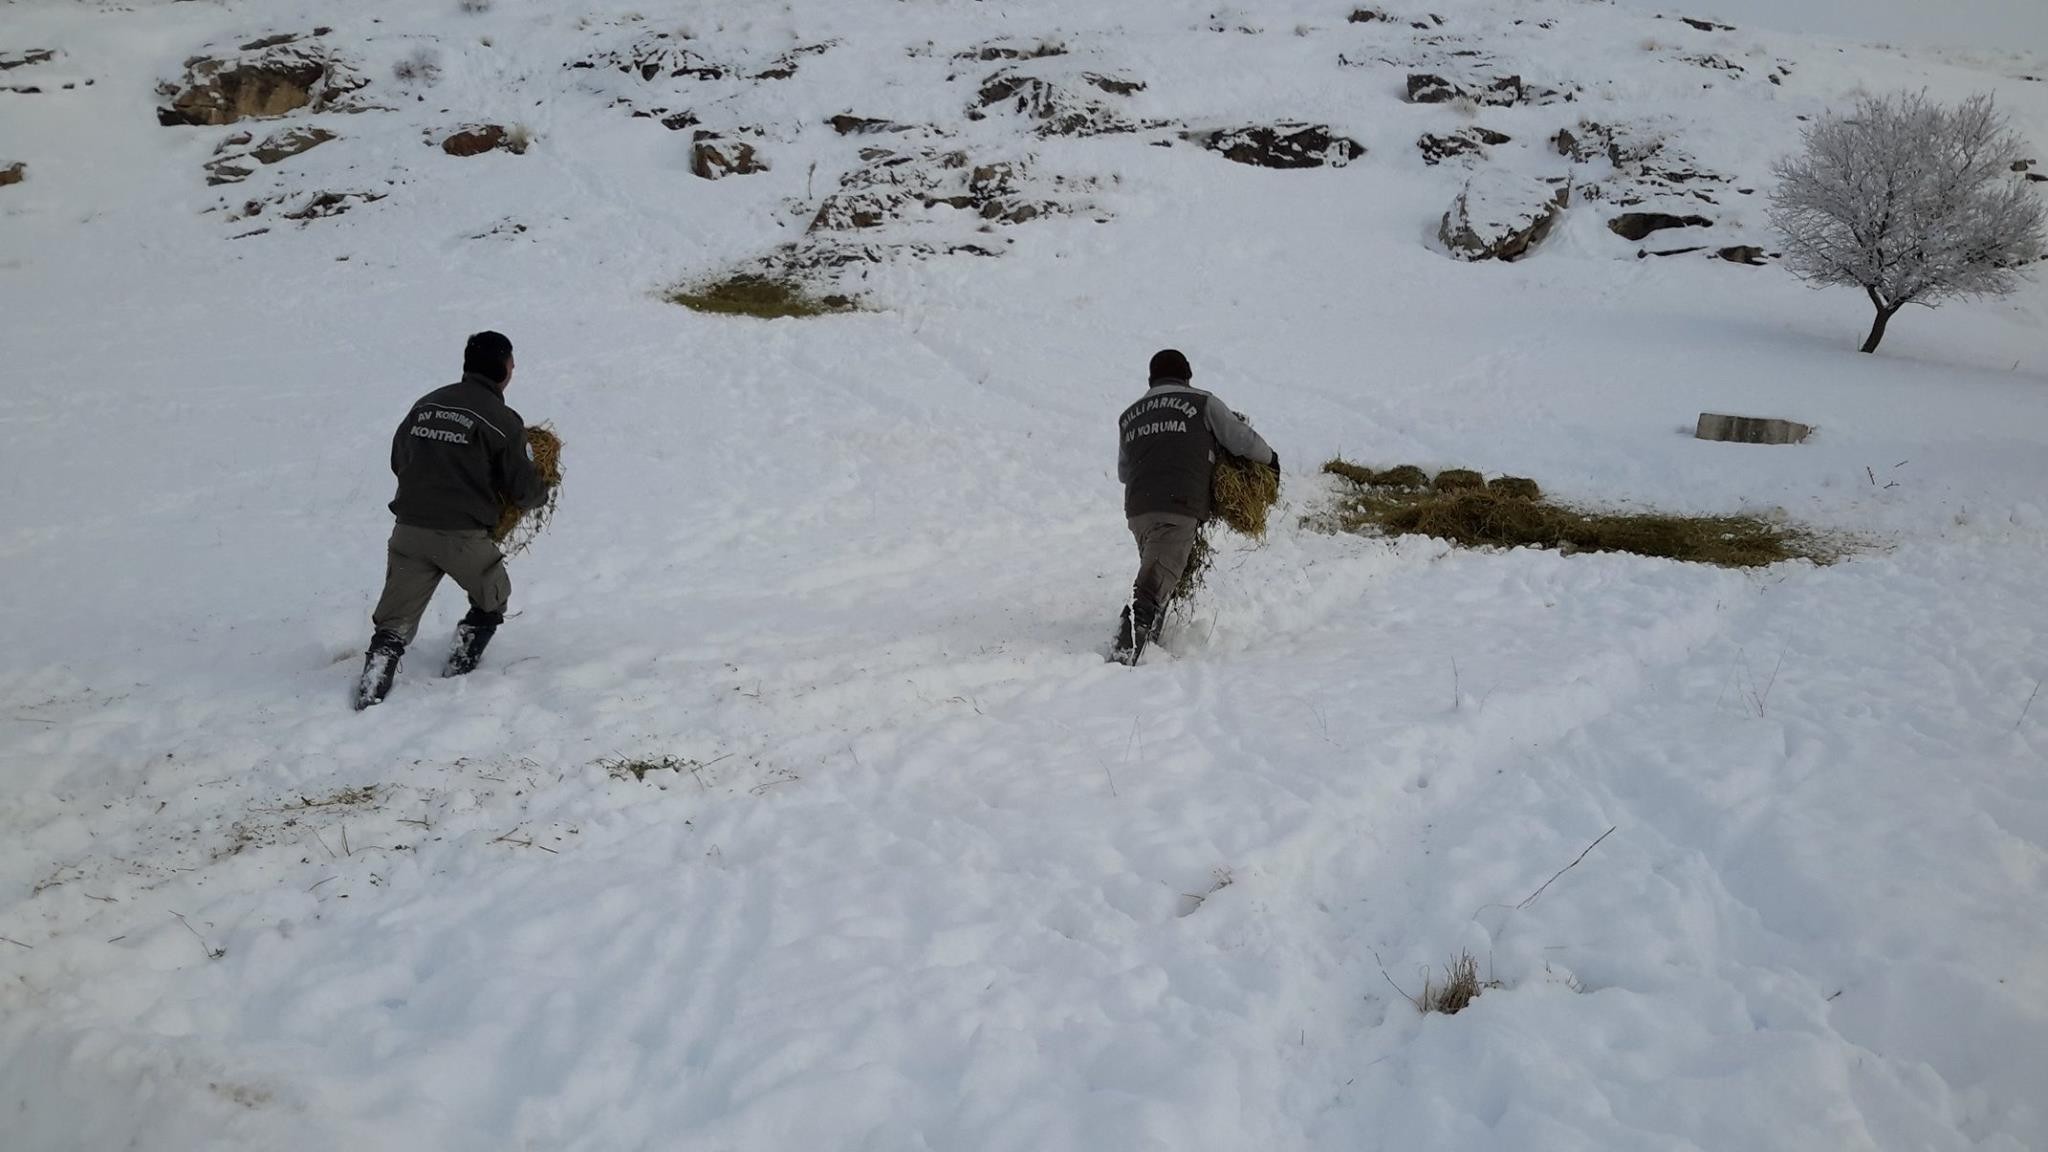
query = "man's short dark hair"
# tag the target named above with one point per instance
(488, 354)
(1169, 364)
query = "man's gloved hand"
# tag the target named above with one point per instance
(1276, 462)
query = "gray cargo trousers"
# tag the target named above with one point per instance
(414, 563)
(1165, 540)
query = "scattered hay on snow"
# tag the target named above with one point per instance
(765, 297)
(1511, 513)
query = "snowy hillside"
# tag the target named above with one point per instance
(921, 871)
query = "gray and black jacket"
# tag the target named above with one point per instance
(460, 452)
(1167, 444)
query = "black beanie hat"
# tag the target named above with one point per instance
(487, 354)
(1169, 364)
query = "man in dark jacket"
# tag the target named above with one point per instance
(1166, 457)
(460, 454)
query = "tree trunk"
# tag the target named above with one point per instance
(1884, 317)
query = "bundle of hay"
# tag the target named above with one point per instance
(1242, 494)
(517, 527)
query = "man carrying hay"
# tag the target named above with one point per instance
(460, 455)
(1166, 459)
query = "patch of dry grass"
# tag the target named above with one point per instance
(1459, 987)
(1458, 480)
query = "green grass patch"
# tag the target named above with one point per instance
(753, 294)
(1511, 513)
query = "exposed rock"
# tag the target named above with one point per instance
(1622, 146)
(1707, 25)
(1469, 142)
(282, 38)
(1644, 253)
(1715, 61)
(1500, 91)
(714, 157)
(1368, 16)
(785, 66)
(1743, 254)
(13, 173)
(1426, 88)
(321, 205)
(847, 124)
(1637, 225)
(1113, 85)
(235, 160)
(657, 54)
(895, 186)
(289, 143)
(1059, 110)
(1013, 50)
(1286, 145)
(275, 82)
(1501, 216)
(477, 139)
(9, 61)
(1750, 429)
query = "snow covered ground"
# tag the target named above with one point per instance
(928, 874)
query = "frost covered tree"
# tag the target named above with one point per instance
(1910, 200)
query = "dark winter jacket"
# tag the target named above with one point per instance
(1167, 444)
(458, 455)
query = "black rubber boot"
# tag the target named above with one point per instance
(1130, 641)
(380, 666)
(472, 636)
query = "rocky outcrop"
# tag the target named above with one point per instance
(1639, 225)
(847, 124)
(1743, 254)
(714, 157)
(1472, 141)
(1013, 50)
(1501, 216)
(477, 139)
(9, 61)
(237, 157)
(655, 55)
(275, 80)
(1497, 91)
(1287, 145)
(893, 186)
(1059, 108)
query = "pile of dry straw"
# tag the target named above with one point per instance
(517, 527)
